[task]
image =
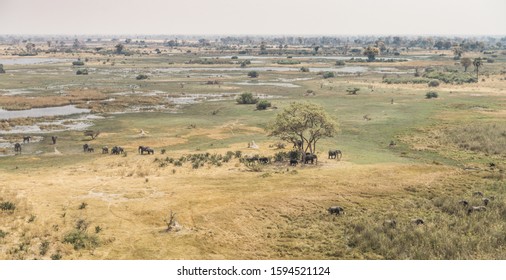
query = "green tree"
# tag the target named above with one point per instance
(466, 62)
(263, 104)
(458, 51)
(119, 48)
(477, 64)
(371, 53)
(303, 122)
(246, 98)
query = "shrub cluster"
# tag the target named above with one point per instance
(263, 104)
(434, 83)
(450, 77)
(199, 160)
(431, 94)
(82, 72)
(246, 98)
(7, 206)
(78, 63)
(406, 80)
(328, 74)
(288, 62)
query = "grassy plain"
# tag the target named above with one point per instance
(116, 206)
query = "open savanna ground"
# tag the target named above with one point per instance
(405, 158)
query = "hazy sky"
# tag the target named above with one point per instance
(333, 17)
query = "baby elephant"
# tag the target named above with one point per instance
(336, 210)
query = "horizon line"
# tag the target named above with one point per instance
(251, 34)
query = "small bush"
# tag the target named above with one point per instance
(353, 91)
(44, 246)
(340, 63)
(32, 218)
(327, 75)
(238, 154)
(431, 94)
(263, 104)
(2, 233)
(253, 74)
(82, 72)
(56, 256)
(304, 69)
(246, 98)
(280, 156)
(83, 205)
(434, 83)
(7, 206)
(235, 57)
(98, 229)
(81, 239)
(78, 63)
(141, 77)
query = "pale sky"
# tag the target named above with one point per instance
(255, 17)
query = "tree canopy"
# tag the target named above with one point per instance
(371, 53)
(466, 62)
(477, 64)
(303, 124)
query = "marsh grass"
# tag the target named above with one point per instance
(489, 138)
(449, 232)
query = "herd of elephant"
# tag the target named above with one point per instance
(313, 159)
(116, 150)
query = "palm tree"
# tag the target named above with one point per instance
(477, 64)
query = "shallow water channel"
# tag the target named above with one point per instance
(42, 112)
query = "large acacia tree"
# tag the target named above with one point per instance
(303, 124)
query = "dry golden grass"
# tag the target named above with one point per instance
(225, 212)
